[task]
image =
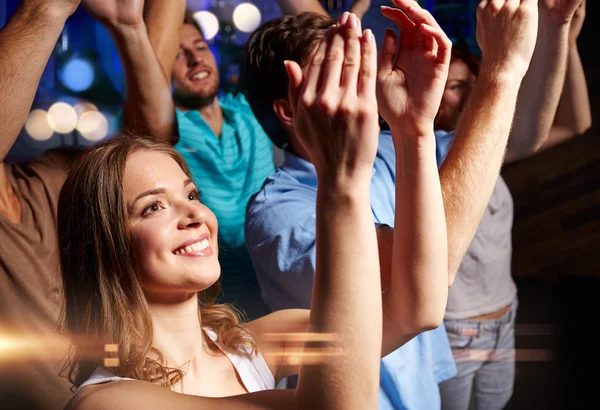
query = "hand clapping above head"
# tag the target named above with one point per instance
(334, 104)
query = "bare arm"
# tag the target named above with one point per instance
(292, 7)
(360, 7)
(148, 108)
(471, 168)
(26, 43)
(414, 265)
(164, 19)
(574, 116)
(542, 86)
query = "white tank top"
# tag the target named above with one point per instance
(254, 372)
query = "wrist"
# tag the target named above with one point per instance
(127, 32)
(414, 132)
(45, 12)
(495, 77)
(553, 18)
(343, 184)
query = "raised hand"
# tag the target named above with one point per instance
(506, 34)
(561, 10)
(116, 12)
(334, 103)
(577, 23)
(412, 76)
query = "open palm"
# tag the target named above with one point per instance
(412, 75)
(116, 12)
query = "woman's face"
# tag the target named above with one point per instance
(458, 87)
(174, 236)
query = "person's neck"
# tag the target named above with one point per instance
(178, 333)
(213, 115)
(9, 202)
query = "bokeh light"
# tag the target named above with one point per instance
(93, 125)
(208, 22)
(83, 107)
(37, 125)
(77, 74)
(246, 17)
(62, 118)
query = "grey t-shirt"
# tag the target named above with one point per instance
(484, 281)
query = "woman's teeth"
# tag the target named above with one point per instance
(196, 247)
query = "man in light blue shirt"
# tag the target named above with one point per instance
(280, 233)
(280, 220)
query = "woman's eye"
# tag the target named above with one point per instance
(154, 207)
(194, 196)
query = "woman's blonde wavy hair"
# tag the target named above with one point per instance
(105, 302)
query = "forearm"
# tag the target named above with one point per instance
(346, 262)
(471, 168)
(26, 43)
(164, 19)
(360, 7)
(148, 107)
(574, 110)
(292, 7)
(541, 89)
(419, 277)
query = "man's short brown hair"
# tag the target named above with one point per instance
(264, 78)
(188, 18)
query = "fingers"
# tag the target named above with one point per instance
(313, 72)
(388, 51)
(404, 24)
(368, 67)
(295, 83)
(352, 59)
(331, 69)
(416, 13)
(439, 44)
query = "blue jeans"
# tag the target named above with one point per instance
(485, 358)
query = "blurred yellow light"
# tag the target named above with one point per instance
(246, 17)
(62, 118)
(93, 125)
(83, 107)
(208, 22)
(37, 125)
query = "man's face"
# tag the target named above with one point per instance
(195, 74)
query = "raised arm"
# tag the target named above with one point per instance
(26, 43)
(414, 255)
(542, 86)
(574, 115)
(506, 33)
(335, 116)
(148, 108)
(292, 7)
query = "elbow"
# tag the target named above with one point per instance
(430, 320)
(583, 127)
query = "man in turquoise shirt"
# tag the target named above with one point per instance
(172, 84)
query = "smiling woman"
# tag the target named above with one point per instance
(138, 197)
